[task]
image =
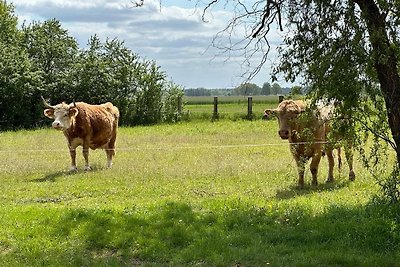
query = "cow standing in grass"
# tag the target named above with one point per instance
(89, 126)
(307, 136)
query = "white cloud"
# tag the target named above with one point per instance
(175, 37)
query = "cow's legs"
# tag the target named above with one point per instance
(110, 150)
(314, 167)
(331, 164)
(339, 156)
(349, 158)
(110, 154)
(85, 152)
(300, 169)
(72, 152)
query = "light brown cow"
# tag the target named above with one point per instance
(89, 126)
(307, 135)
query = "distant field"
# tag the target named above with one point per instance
(232, 111)
(229, 107)
(191, 100)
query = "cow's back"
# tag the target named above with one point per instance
(95, 123)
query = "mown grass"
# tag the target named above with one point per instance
(195, 193)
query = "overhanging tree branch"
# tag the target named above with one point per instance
(267, 16)
(138, 3)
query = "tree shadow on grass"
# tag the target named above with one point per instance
(294, 191)
(51, 177)
(176, 234)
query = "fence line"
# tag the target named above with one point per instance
(215, 114)
(171, 148)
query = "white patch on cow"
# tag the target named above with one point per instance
(87, 168)
(109, 163)
(62, 121)
(73, 168)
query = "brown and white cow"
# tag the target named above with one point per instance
(307, 135)
(89, 126)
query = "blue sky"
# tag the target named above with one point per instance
(174, 36)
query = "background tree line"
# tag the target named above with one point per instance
(246, 89)
(41, 59)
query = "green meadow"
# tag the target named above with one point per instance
(229, 107)
(196, 193)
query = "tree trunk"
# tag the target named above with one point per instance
(386, 62)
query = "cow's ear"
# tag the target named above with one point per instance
(269, 112)
(49, 112)
(73, 112)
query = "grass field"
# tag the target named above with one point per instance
(190, 194)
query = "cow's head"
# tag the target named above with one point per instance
(286, 112)
(63, 114)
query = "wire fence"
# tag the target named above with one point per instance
(138, 148)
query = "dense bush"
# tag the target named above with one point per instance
(173, 98)
(41, 59)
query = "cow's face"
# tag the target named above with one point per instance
(286, 112)
(62, 114)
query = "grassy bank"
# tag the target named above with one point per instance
(195, 193)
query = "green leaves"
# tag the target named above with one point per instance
(8, 24)
(42, 59)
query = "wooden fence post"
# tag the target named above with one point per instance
(215, 112)
(249, 107)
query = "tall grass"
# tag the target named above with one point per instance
(195, 193)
